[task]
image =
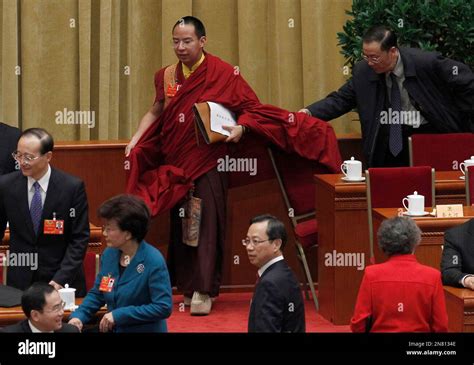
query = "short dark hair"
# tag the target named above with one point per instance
(130, 213)
(381, 34)
(198, 25)
(34, 298)
(398, 235)
(46, 139)
(275, 228)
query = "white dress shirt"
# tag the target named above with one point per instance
(43, 182)
(268, 264)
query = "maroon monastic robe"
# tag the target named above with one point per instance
(167, 159)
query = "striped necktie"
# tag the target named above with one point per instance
(396, 138)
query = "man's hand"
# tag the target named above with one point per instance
(236, 132)
(130, 146)
(306, 111)
(107, 323)
(76, 322)
(469, 282)
(55, 284)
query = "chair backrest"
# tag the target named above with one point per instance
(295, 177)
(470, 185)
(443, 152)
(91, 268)
(387, 186)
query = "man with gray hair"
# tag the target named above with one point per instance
(400, 295)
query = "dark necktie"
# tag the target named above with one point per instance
(396, 139)
(36, 207)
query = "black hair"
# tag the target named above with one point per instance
(198, 25)
(275, 228)
(381, 34)
(34, 298)
(130, 213)
(46, 139)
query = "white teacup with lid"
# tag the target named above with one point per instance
(464, 165)
(416, 204)
(68, 295)
(352, 169)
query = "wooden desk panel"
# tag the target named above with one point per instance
(432, 238)
(341, 210)
(460, 308)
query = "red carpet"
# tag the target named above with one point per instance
(230, 314)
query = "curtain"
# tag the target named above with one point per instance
(83, 69)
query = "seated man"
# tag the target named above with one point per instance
(44, 311)
(457, 262)
(277, 304)
(8, 139)
(400, 295)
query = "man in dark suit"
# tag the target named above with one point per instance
(457, 262)
(399, 92)
(8, 139)
(277, 304)
(44, 311)
(47, 213)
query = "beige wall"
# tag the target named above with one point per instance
(101, 55)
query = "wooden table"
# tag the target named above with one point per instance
(460, 307)
(341, 210)
(432, 238)
(14, 315)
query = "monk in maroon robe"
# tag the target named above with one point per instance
(166, 161)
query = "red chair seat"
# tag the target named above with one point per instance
(307, 233)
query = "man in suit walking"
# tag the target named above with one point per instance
(48, 218)
(457, 262)
(44, 311)
(398, 92)
(277, 303)
(8, 139)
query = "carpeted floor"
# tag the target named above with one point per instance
(230, 314)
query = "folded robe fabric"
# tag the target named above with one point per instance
(166, 160)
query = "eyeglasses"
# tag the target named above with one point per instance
(372, 59)
(18, 156)
(57, 308)
(254, 243)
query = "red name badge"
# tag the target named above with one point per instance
(172, 90)
(106, 284)
(53, 226)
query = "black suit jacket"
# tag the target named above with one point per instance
(445, 100)
(277, 304)
(8, 141)
(24, 327)
(60, 257)
(458, 254)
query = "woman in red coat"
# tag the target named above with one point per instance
(400, 295)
